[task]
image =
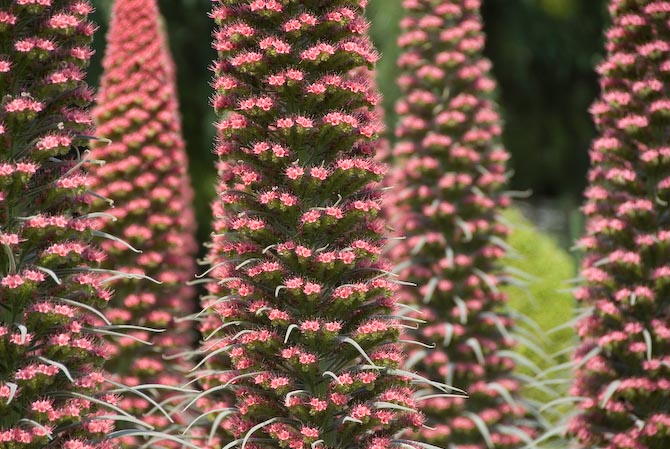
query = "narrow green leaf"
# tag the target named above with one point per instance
(648, 342)
(482, 427)
(149, 433)
(359, 349)
(58, 365)
(609, 392)
(255, 428)
(117, 240)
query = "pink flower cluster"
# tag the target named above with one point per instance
(146, 176)
(448, 189)
(51, 355)
(299, 340)
(623, 359)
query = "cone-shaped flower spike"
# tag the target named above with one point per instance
(146, 176)
(302, 327)
(448, 191)
(145, 173)
(50, 355)
(623, 375)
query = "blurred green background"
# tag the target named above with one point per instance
(543, 52)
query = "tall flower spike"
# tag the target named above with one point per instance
(146, 177)
(623, 373)
(448, 190)
(49, 285)
(300, 326)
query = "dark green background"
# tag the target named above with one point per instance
(543, 52)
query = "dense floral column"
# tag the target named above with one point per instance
(146, 176)
(50, 354)
(305, 305)
(623, 373)
(448, 190)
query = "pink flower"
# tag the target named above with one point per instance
(12, 281)
(294, 172)
(360, 412)
(311, 288)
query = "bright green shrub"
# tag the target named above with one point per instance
(544, 299)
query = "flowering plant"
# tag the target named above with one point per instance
(622, 364)
(449, 187)
(50, 288)
(301, 324)
(145, 174)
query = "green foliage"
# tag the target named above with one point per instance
(385, 16)
(543, 54)
(544, 297)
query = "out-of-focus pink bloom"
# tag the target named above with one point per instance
(449, 179)
(146, 175)
(626, 264)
